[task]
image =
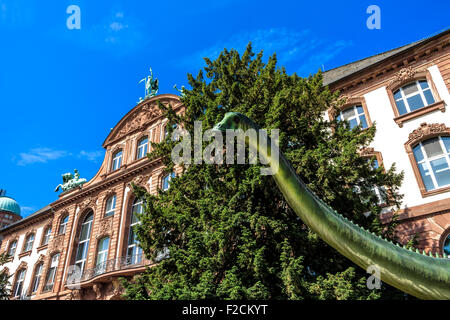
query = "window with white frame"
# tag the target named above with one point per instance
(433, 161)
(63, 225)
(17, 292)
(12, 248)
(110, 206)
(46, 236)
(29, 243)
(102, 255)
(413, 96)
(117, 160)
(166, 181)
(354, 115)
(134, 252)
(142, 148)
(50, 280)
(37, 277)
(83, 244)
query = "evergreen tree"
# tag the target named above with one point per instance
(4, 277)
(229, 231)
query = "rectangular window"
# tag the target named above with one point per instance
(355, 116)
(413, 96)
(37, 278)
(19, 283)
(433, 161)
(50, 281)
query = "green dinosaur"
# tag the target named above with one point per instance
(421, 275)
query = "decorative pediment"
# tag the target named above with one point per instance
(22, 265)
(140, 181)
(109, 192)
(41, 259)
(89, 201)
(141, 116)
(426, 130)
(405, 74)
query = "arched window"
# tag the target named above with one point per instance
(117, 160)
(12, 248)
(166, 131)
(447, 246)
(433, 160)
(142, 148)
(63, 225)
(102, 255)
(166, 180)
(51, 273)
(83, 244)
(37, 277)
(18, 286)
(110, 206)
(354, 115)
(134, 252)
(413, 96)
(29, 243)
(46, 235)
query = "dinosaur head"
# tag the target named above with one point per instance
(231, 120)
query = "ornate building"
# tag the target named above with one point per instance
(90, 226)
(405, 91)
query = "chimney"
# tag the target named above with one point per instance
(2, 192)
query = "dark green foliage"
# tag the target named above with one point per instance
(4, 278)
(230, 233)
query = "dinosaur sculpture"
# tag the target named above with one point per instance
(421, 275)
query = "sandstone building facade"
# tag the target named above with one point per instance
(91, 227)
(405, 91)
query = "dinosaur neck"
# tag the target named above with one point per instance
(417, 274)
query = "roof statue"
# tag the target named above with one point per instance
(181, 91)
(151, 86)
(70, 181)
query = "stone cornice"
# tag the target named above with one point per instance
(26, 222)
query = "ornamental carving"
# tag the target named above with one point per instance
(90, 201)
(97, 288)
(57, 243)
(74, 295)
(426, 130)
(40, 259)
(405, 74)
(140, 181)
(139, 120)
(22, 265)
(105, 227)
(109, 192)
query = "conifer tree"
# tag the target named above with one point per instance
(228, 230)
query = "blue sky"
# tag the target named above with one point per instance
(61, 90)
